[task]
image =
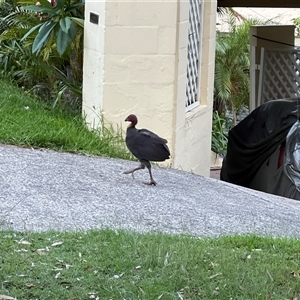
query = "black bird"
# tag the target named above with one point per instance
(146, 146)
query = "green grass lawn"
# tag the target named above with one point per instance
(110, 264)
(106, 264)
(27, 121)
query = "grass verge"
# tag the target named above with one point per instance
(25, 121)
(110, 264)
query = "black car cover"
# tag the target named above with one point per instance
(256, 137)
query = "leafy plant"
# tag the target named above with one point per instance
(220, 128)
(57, 20)
(42, 49)
(296, 22)
(232, 63)
(6, 7)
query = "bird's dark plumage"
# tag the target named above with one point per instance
(146, 146)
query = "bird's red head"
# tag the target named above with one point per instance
(132, 119)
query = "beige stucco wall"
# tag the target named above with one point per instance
(140, 68)
(140, 47)
(192, 145)
(93, 67)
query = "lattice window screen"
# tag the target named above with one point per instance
(280, 74)
(192, 85)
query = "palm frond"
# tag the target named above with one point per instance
(232, 64)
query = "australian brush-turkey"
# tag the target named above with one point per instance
(146, 146)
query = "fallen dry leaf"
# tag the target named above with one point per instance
(213, 276)
(213, 264)
(57, 269)
(23, 242)
(166, 262)
(269, 274)
(93, 296)
(20, 250)
(180, 296)
(295, 274)
(143, 292)
(41, 251)
(57, 243)
(4, 297)
(117, 276)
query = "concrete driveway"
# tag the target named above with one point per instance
(42, 190)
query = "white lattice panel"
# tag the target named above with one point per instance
(192, 85)
(280, 74)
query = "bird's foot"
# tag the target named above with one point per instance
(152, 182)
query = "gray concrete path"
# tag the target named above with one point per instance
(43, 190)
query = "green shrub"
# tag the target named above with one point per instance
(220, 127)
(296, 22)
(41, 49)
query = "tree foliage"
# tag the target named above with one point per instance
(57, 21)
(232, 64)
(296, 22)
(41, 46)
(232, 78)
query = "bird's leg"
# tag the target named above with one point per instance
(151, 177)
(140, 167)
(148, 165)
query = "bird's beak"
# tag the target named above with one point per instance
(126, 120)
